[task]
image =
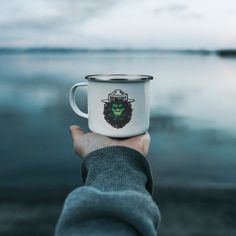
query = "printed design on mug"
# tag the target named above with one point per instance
(117, 109)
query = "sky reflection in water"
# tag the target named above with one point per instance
(193, 93)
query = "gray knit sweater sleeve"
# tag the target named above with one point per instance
(115, 198)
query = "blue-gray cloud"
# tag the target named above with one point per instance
(66, 11)
(19, 19)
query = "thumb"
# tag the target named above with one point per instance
(76, 133)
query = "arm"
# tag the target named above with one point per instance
(115, 198)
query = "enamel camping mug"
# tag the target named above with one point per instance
(118, 104)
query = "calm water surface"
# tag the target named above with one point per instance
(193, 112)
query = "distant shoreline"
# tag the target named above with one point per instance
(61, 50)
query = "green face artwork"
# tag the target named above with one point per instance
(117, 109)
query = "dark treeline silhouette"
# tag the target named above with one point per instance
(220, 52)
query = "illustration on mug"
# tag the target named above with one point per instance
(117, 109)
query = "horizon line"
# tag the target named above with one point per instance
(47, 49)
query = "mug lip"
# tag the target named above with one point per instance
(125, 78)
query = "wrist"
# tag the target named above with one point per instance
(117, 168)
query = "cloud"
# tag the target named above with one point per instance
(192, 15)
(175, 8)
(116, 23)
(82, 9)
(51, 12)
(31, 24)
(178, 10)
(24, 19)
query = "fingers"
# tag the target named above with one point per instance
(76, 133)
(146, 142)
(144, 138)
(147, 137)
(140, 143)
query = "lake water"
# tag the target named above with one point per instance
(193, 113)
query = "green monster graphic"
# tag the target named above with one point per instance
(117, 109)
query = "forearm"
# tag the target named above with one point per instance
(115, 198)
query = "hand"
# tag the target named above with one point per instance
(86, 143)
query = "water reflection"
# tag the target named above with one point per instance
(25, 98)
(192, 125)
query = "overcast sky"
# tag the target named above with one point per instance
(190, 24)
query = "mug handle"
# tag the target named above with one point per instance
(72, 99)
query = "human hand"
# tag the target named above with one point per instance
(85, 143)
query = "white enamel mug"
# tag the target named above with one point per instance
(118, 104)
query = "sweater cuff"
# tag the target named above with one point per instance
(117, 168)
